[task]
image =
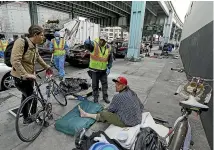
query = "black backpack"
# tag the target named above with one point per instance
(8, 51)
(148, 139)
(88, 141)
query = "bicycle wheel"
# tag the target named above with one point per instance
(35, 119)
(58, 94)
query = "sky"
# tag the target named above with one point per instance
(181, 7)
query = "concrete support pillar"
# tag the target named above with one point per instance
(136, 30)
(33, 12)
(167, 27)
(173, 37)
(164, 31)
(174, 32)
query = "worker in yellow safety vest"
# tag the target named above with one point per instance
(3, 45)
(59, 47)
(100, 65)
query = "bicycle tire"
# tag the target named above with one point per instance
(21, 137)
(60, 91)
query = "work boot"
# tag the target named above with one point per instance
(106, 100)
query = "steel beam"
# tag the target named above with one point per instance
(92, 7)
(127, 3)
(150, 8)
(121, 6)
(84, 10)
(33, 12)
(108, 7)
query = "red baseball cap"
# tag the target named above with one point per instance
(121, 80)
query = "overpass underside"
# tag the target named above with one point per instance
(105, 13)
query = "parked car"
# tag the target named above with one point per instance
(79, 55)
(6, 80)
(122, 50)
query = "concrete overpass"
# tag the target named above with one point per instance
(114, 13)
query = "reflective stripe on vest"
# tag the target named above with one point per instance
(98, 58)
(3, 45)
(59, 49)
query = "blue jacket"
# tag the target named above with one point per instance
(66, 48)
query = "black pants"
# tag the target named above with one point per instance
(26, 87)
(102, 77)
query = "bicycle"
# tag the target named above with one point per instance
(180, 134)
(44, 110)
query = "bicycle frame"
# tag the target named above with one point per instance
(180, 132)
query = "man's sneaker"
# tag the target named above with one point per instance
(106, 100)
(27, 121)
(61, 79)
(46, 124)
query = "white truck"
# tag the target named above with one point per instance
(77, 31)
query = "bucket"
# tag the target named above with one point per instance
(103, 146)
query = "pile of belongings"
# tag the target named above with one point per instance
(96, 141)
(146, 136)
(74, 85)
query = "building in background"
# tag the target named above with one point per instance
(114, 33)
(15, 18)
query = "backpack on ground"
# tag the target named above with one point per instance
(8, 51)
(148, 139)
(85, 142)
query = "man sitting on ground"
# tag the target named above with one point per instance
(125, 109)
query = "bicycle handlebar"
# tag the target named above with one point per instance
(192, 77)
(41, 70)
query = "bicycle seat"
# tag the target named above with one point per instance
(191, 103)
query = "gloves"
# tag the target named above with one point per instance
(101, 139)
(88, 41)
(49, 70)
(108, 71)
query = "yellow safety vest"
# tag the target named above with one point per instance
(99, 58)
(59, 49)
(3, 45)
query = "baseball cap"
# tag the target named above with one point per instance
(121, 80)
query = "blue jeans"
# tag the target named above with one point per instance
(1, 54)
(59, 62)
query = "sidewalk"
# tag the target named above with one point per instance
(151, 79)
